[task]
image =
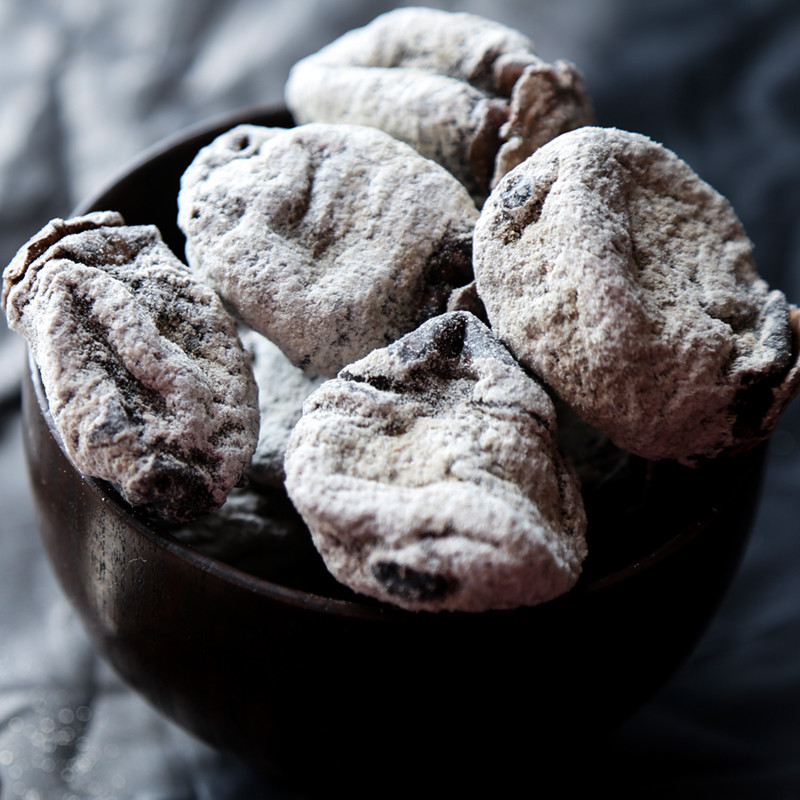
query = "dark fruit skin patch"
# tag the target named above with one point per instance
(411, 585)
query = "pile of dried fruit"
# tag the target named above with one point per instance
(600, 272)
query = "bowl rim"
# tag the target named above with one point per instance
(198, 134)
(197, 131)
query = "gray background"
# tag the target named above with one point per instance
(87, 84)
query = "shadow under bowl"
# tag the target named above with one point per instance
(291, 677)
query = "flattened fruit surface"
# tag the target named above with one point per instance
(613, 271)
(330, 240)
(429, 476)
(464, 91)
(146, 379)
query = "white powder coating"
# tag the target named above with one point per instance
(613, 271)
(282, 388)
(455, 86)
(145, 377)
(330, 240)
(429, 476)
(463, 46)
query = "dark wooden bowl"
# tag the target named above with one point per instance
(316, 684)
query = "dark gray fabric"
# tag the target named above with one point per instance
(87, 84)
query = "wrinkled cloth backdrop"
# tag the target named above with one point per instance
(87, 84)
